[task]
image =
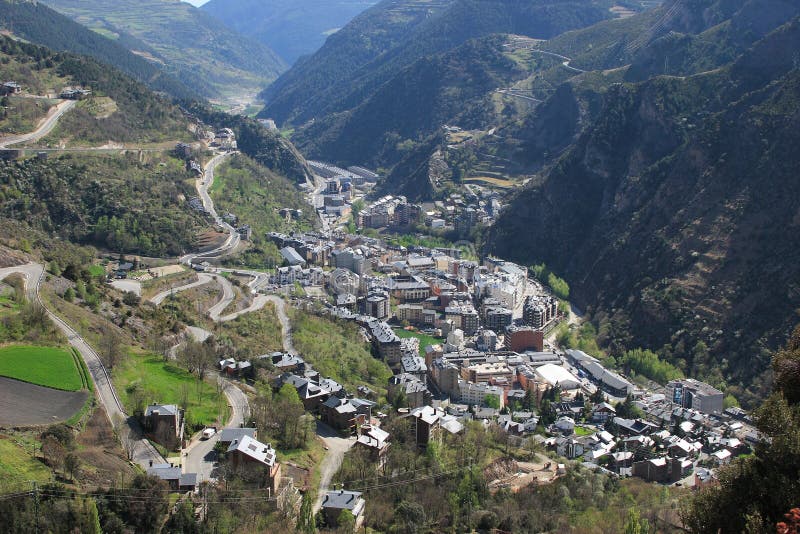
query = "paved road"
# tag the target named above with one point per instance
(45, 126)
(258, 302)
(337, 447)
(202, 279)
(200, 457)
(198, 334)
(139, 449)
(227, 297)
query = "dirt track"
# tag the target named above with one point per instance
(23, 404)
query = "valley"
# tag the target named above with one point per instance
(463, 266)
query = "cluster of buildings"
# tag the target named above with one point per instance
(340, 188)
(389, 211)
(461, 213)
(668, 444)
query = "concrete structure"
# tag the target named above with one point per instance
(555, 375)
(691, 393)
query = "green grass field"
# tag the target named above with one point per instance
(46, 366)
(165, 383)
(18, 467)
(424, 339)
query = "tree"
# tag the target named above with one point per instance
(492, 401)
(110, 346)
(71, 464)
(53, 452)
(732, 505)
(346, 522)
(306, 523)
(635, 524)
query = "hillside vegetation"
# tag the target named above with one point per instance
(121, 203)
(41, 25)
(256, 195)
(187, 43)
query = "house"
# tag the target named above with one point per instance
(722, 456)
(311, 393)
(285, 362)
(248, 454)
(416, 392)
(233, 368)
(565, 425)
(633, 427)
(229, 435)
(291, 256)
(429, 422)
(662, 469)
(172, 475)
(164, 422)
(569, 448)
(376, 441)
(335, 502)
(339, 413)
(10, 88)
(602, 412)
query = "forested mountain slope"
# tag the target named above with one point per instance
(378, 44)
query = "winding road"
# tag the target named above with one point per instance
(46, 125)
(203, 184)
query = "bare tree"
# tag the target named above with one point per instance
(53, 452)
(110, 347)
(71, 464)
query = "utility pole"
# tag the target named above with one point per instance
(36, 504)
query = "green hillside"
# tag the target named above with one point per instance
(415, 76)
(256, 195)
(292, 28)
(186, 42)
(39, 24)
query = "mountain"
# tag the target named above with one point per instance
(197, 49)
(39, 24)
(292, 28)
(349, 86)
(371, 34)
(668, 200)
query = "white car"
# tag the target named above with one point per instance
(208, 433)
